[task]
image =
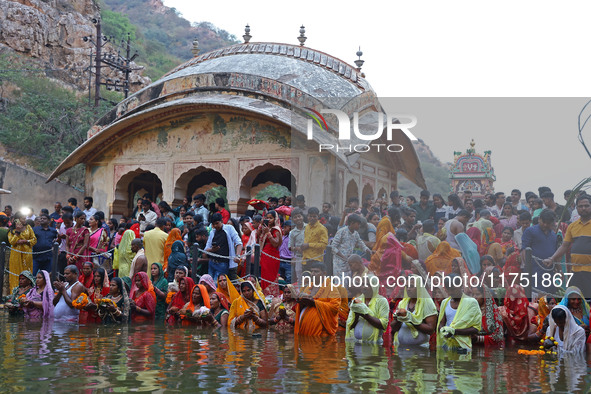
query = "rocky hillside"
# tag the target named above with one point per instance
(435, 172)
(52, 33)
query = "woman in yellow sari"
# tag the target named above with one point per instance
(22, 239)
(227, 288)
(441, 259)
(248, 311)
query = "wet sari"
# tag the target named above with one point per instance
(492, 323)
(230, 293)
(180, 299)
(515, 313)
(145, 300)
(190, 307)
(162, 285)
(46, 296)
(239, 307)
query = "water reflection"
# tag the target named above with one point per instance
(57, 357)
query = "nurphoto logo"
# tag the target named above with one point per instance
(393, 122)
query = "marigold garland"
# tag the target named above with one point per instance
(80, 302)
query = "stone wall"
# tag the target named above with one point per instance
(29, 189)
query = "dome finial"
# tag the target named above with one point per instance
(247, 35)
(302, 38)
(359, 62)
(195, 49)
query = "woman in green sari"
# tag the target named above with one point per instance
(161, 289)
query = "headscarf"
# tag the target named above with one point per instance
(231, 294)
(543, 310)
(240, 306)
(127, 281)
(125, 306)
(424, 307)
(574, 335)
(27, 274)
(106, 283)
(173, 236)
(495, 251)
(441, 258)
(487, 235)
(48, 295)
(475, 235)
(384, 227)
(162, 283)
(125, 253)
(176, 258)
(87, 281)
(514, 312)
(223, 300)
(179, 299)
(136, 230)
(252, 238)
(469, 252)
(584, 304)
(204, 297)
(275, 305)
(207, 279)
(150, 300)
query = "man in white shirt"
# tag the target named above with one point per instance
(146, 216)
(88, 208)
(497, 209)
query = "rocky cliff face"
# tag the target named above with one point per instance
(52, 32)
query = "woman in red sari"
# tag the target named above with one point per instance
(517, 314)
(99, 289)
(77, 239)
(270, 239)
(86, 276)
(143, 298)
(492, 324)
(180, 299)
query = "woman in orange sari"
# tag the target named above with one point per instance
(197, 309)
(441, 259)
(248, 311)
(143, 298)
(173, 236)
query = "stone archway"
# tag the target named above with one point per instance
(352, 190)
(262, 176)
(195, 181)
(132, 185)
(367, 190)
(384, 195)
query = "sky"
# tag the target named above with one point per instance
(525, 54)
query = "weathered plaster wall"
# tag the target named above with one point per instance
(29, 189)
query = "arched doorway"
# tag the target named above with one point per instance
(351, 191)
(367, 190)
(196, 181)
(384, 195)
(132, 186)
(261, 178)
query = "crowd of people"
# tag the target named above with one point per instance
(140, 269)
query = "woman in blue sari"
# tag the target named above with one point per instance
(576, 304)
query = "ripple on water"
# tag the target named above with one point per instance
(53, 357)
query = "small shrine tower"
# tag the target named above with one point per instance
(472, 171)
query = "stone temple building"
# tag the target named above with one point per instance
(241, 117)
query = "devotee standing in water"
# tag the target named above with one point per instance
(318, 304)
(67, 292)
